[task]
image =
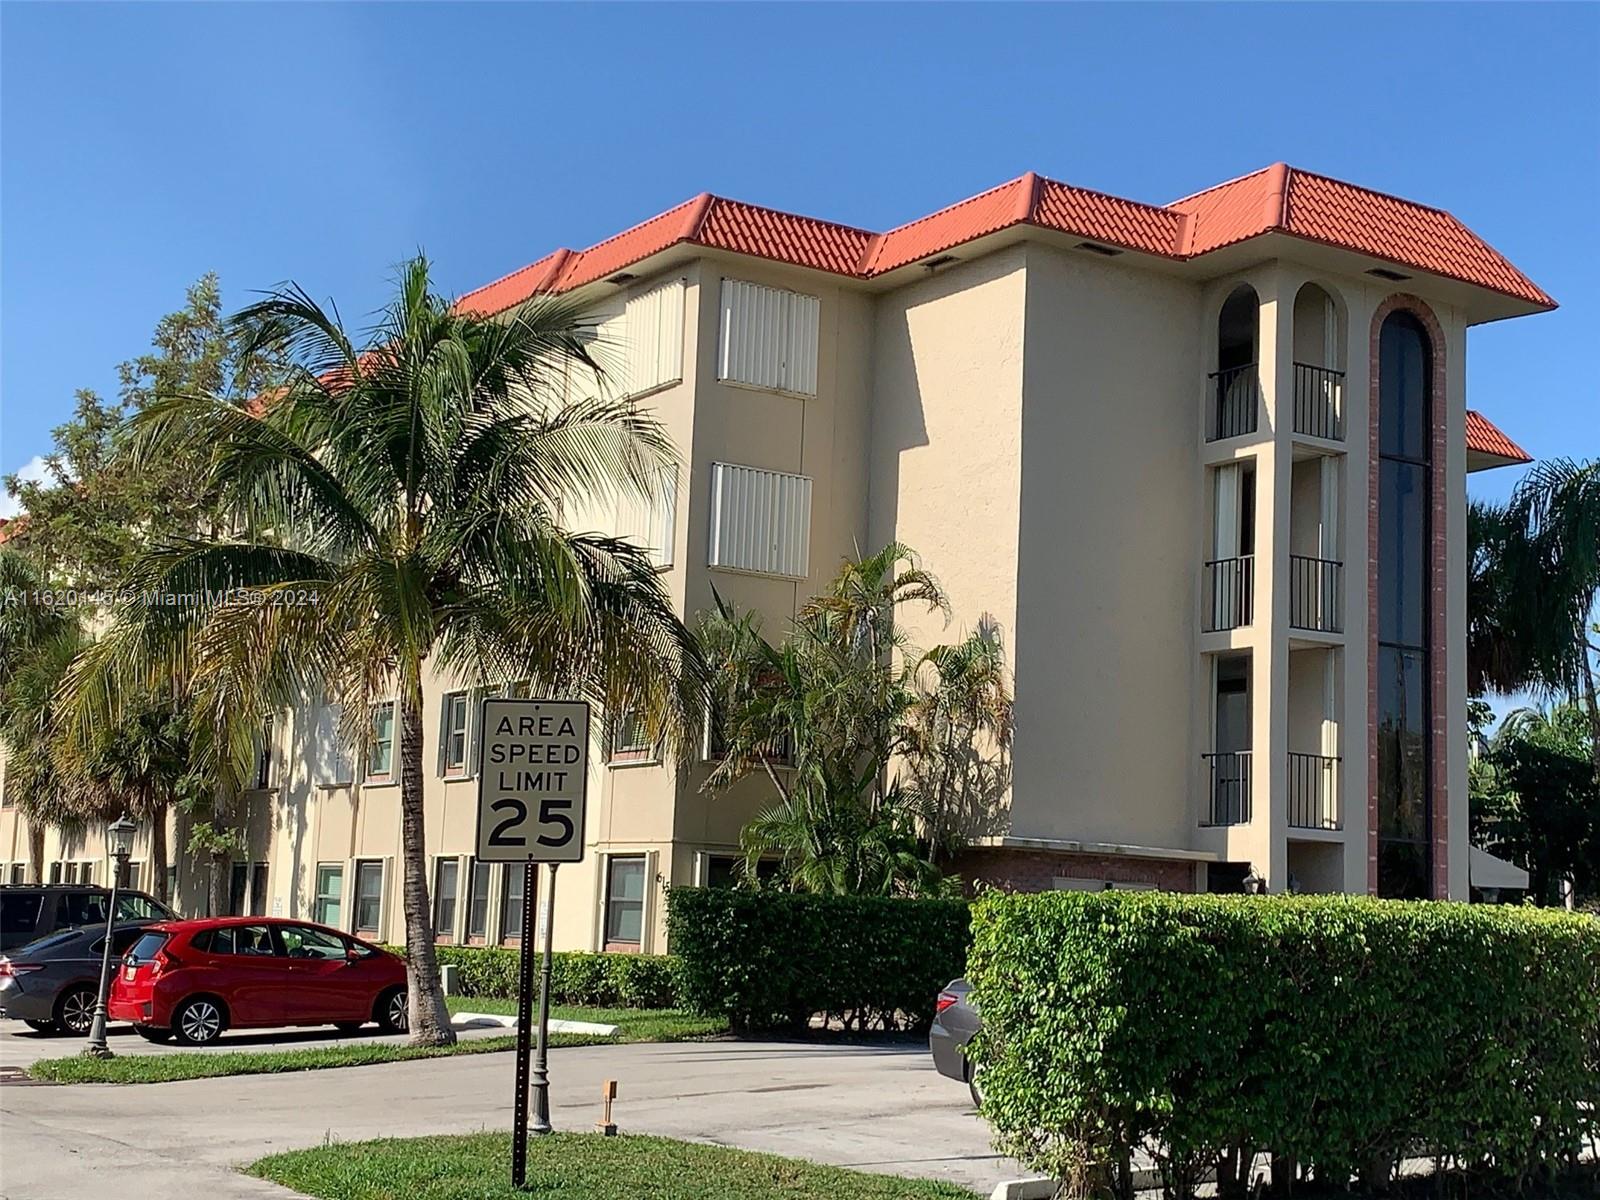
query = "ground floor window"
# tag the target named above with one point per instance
(369, 896)
(478, 901)
(446, 875)
(511, 911)
(19, 872)
(328, 907)
(727, 870)
(624, 901)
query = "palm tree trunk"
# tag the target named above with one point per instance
(36, 850)
(1591, 703)
(430, 1019)
(158, 852)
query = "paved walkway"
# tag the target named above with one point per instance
(874, 1108)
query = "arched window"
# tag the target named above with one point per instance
(1318, 353)
(1234, 391)
(1404, 576)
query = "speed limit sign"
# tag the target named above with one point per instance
(531, 785)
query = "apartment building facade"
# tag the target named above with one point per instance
(1203, 463)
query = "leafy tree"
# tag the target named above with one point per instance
(824, 714)
(399, 504)
(1535, 800)
(1533, 590)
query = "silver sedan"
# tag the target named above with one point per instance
(955, 1020)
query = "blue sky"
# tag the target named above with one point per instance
(144, 145)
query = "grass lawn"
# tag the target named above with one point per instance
(574, 1166)
(633, 1025)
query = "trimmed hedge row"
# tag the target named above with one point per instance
(1339, 1034)
(771, 960)
(599, 980)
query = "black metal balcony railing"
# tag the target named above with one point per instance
(1316, 594)
(1314, 792)
(1235, 399)
(1227, 788)
(1319, 402)
(1229, 592)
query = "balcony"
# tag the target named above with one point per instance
(1235, 400)
(1316, 594)
(1314, 792)
(1229, 592)
(1319, 402)
(1227, 788)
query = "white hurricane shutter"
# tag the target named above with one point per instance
(768, 337)
(653, 327)
(650, 522)
(760, 521)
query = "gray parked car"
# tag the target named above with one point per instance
(955, 1020)
(29, 911)
(49, 985)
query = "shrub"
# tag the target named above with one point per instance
(767, 960)
(600, 980)
(1339, 1033)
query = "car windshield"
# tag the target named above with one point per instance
(145, 948)
(133, 906)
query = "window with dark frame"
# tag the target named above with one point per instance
(625, 883)
(446, 877)
(369, 895)
(512, 908)
(258, 890)
(629, 740)
(263, 776)
(380, 759)
(478, 901)
(328, 905)
(1403, 567)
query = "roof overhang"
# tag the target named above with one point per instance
(1486, 871)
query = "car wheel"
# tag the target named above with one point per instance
(151, 1034)
(42, 1026)
(391, 1011)
(198, 1022)
(75, 1010)
(975, 1085)
(348, 1026)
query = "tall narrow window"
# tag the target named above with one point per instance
(445, 874)
(651, 522)
(331, 763)
(380, 766)
(511, 911)
(263, 777)
(453, 734)
(369, 896)
(258, 890)
(478, 902)
(653, 328)
(1405, 767)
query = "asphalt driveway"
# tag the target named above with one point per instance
(872, 1107)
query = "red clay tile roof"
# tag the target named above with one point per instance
(1276, 199)
(1483, 437)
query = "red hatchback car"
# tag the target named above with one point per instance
(193, 979)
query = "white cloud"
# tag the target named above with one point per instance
(34, 468)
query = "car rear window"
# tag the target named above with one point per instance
(135, 906)
(19, 911)
(145, 948)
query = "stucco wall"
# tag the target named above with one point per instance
(1110, 544)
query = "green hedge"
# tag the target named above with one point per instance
(1336, 1033)
(769, 960)
(598, 980)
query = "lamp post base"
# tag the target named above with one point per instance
(96, 1051)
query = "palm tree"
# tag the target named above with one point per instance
(401, 504)
(956, 735)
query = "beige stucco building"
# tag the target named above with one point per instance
(1203, 463)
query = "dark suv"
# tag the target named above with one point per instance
(29, 911)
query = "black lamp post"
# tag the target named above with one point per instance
(119, 840)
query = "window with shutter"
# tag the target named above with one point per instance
(652, 328)
(652, 523)
(768, 338)
(332, 762)
(760, 521)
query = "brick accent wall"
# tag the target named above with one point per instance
(1015, 870)
(1438, 581)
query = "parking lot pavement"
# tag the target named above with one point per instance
(20, 1046)
(872, 1107)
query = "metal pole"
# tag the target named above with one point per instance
(96, 1047)
(519, 1118)
(541, 1061)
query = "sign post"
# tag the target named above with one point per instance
(531, 792)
